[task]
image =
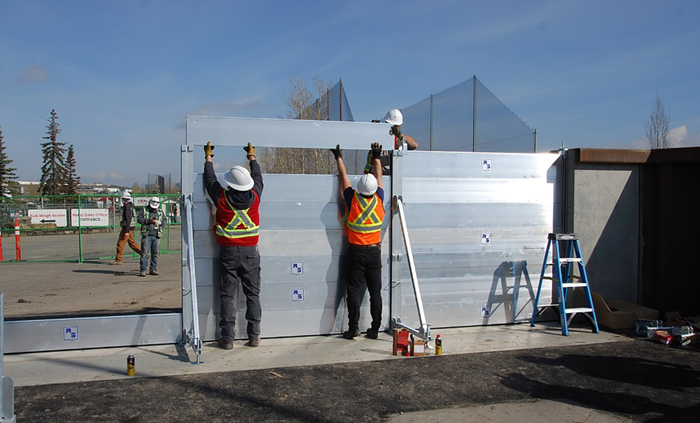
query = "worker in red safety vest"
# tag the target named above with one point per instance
(236, 232)
(364, 223)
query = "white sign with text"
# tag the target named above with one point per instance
(57, 216)
(89, 217)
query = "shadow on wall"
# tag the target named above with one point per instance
(509, 296)
(611, 204)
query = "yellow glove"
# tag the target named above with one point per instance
(249, 149)
(208, 149)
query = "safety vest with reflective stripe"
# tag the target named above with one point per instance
(365, 220)
(235, 227)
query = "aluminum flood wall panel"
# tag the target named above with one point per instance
(300, 246)
(92, 332)
(478, 224)
(300, 235)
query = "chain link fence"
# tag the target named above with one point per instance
(76, 228)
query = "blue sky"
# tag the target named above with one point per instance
(122, 75)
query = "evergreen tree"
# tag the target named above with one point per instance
(54, 174)
(8, 183)
(73, 179)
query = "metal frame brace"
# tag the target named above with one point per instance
(424, 331)
(191, 336)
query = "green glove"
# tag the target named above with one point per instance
(337, 152)
(208, 149)
(368, 166)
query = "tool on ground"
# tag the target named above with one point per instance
(562, 269)
(400, 342)
(130, 365)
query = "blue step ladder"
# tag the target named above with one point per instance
(563, 274)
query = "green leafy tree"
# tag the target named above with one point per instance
(73, 180)
(8, 180)
(54, 174)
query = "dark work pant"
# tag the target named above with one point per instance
(364, 263)
(240, 266)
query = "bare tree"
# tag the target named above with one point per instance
(656, 127)
(307, 104)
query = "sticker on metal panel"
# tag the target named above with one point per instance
(298, 295)
(485, 239)
(297, 269)
(486, 165)
(70, 333)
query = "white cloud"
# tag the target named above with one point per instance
(678, 137)
(31, 75)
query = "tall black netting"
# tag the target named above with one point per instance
(467, 117)
(333, 105)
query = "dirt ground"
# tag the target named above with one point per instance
(94, 288)
(640, 381)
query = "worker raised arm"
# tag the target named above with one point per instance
(377, 163)
(343, 180)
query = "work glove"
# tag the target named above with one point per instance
(208, 149)
(249, 149)
(376, 150)
(368, 166)
(396, 131)
(337, 152)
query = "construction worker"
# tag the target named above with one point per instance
(394, 117)
(152, 220)
(236, 232)
(128, 223)
(364, 221)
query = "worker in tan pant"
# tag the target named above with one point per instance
(126, 235)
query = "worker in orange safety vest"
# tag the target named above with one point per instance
(364, 223)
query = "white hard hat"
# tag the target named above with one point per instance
(394, 117)
(153, 202)
(239, 178)
(367, 184)
(126, 196)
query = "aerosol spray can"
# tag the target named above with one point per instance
(438, 345)
(130, 365)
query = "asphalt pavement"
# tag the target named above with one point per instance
(508, 373)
